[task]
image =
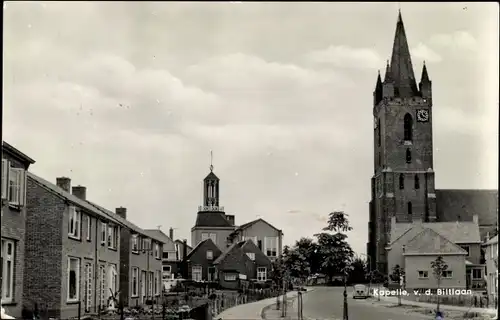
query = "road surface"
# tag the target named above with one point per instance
(327, 303)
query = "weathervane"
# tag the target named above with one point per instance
(211, 159)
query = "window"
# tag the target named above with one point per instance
(401, 181)
(271, 246)
(102, 296)
(135, 281)
(408, 155)
(210, 254)
(75, 218)
(156, 286)
(146, 244)
(379, 133)
(157, 251)
(73, 279)
(143, 283)
(167, 270)
(447, 274)
(408, 127)
(113, 279)
(196, 273)
(213, 236)
(8, 265)
(259, 244)
(135, 243)
(88, 286)
(410, 208)
(204, 236)
(89, 228)
(261, 274)
(150, 284)
(112, 236)
(417, 182)
(477, 274)
(103, 233)
(466, 248)
(251, 255)
(423, 274)
(212, 276)
(16, 190)
(230, 277)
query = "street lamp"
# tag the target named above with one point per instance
(346, 313)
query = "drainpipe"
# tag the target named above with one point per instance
(95, 263)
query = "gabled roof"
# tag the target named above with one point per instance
(249, 246)
(15, 152)
(212, 219)
(251, 223)
(87, 205)
(158, 234)
(456, 232)
(224, 254)
(493, 240)
(199, 245)
(462, 204)
(430, 242)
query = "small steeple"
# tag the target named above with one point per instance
(211, 187)
(401, 68)
(377, 94)
(425, 75)
(388, 76)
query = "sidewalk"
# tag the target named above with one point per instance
(254, 310)
(270, 312)
(432, 306)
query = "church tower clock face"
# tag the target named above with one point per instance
(422, 115)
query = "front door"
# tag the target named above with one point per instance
(211, 274)
(143, 287)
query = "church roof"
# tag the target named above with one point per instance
(211, 176)
(212, 219)
(401, 69)
(456, 204)
(456, 232)
(430, 242)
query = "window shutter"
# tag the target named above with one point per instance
(5, 179)
(22, 188)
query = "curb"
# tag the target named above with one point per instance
(263, 311)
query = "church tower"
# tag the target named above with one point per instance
(403, 178)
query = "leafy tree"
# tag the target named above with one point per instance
(277, 272)
(335, 253)
(297, 265)
(358, 272)
(438, 267)
(338, 221)
(397, 276)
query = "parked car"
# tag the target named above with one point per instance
(360, 291)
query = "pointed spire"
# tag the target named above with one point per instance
(388, 76)
(425, 75)
(211, 161)
(401, 67)
(379, 81)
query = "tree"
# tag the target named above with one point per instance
(297, 265)
(277, 271)
(309, 249)
(438, 267)
(358, 272)
(397, 276)
(333, 250)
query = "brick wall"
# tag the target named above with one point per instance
(13, 228)
(43, 249)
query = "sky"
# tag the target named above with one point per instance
(128, 99)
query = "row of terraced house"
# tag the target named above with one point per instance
(64, 254)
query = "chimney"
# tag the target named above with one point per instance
(64, 183)
(475, 219)
(122, 212)
(230, 218)
(79, 192)
(171, 233)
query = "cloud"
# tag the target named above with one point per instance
(423, 52)
(346, 57)
(459, 40)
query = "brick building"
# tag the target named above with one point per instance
(140, 262)
(77, 245)
(14, 167)
(403, 184)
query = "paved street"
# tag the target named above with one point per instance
(327, 303)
